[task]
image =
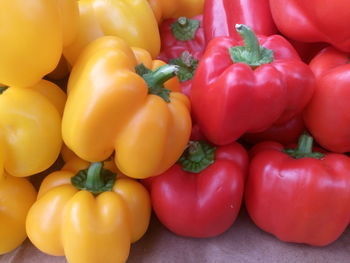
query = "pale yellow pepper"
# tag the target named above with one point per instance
(33, 33)
(30, 128)
(131, 20)
(16, 197)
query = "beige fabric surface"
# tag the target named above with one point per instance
(243, 242)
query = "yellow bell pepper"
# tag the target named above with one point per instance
(164, 9)
(131, 20)
(30, 128)
(33, 33)
(89, 216)
(110, 107)
(16, 197)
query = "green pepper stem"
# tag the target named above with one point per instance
(155, 79)
(251, 53)
(2, 89)
(197, 156)
(304, 148)
(94, 179)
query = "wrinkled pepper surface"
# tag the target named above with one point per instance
(299, 195)
(30, 124)
(204, 190)
(116, 103)
(221, 16)
(130, 20)
(16, 197)
(327, 114)
(33, 33)
(314, 21)
(88, 215)
(247, 88)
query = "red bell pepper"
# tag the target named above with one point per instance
(299, 195)
(221, 16)
(285, 133)
(239, 89)
(182, 45)
(327, 115)
(314, 21)
(204, 190)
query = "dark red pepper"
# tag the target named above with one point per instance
(182, 45)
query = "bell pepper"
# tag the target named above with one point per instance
(314, 21)
(16, 197)
(204, 190)
(165, 9)
(246, 89)
(285, 133)
(326, 116)
(30, 128)
(299, 195)
(221, 16)
(89, 216)
(182, 45)
(33, 34)
(130, 20)
(116, 103)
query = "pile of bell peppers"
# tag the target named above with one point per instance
(191, 109)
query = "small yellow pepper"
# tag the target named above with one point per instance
(89, 216)
(33, 33)
(117, 104)
(30, 128)
(16, 197)
(131, 20)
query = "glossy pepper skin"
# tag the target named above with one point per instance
(45, 27)
(183, 45)
(221, 16)
(16, 197)
(313, 21)
(326, 116)
(111, 108)
(246, 89)
(92, 225)
(204, 190)
(299, 195)
(130, 20)
(165, 9)
(30, 124)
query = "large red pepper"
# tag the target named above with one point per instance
(204, 190)
(221, 16)
(314, 21)
(239, 89)
(299, 195)
(182, 45)
(327, 115)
